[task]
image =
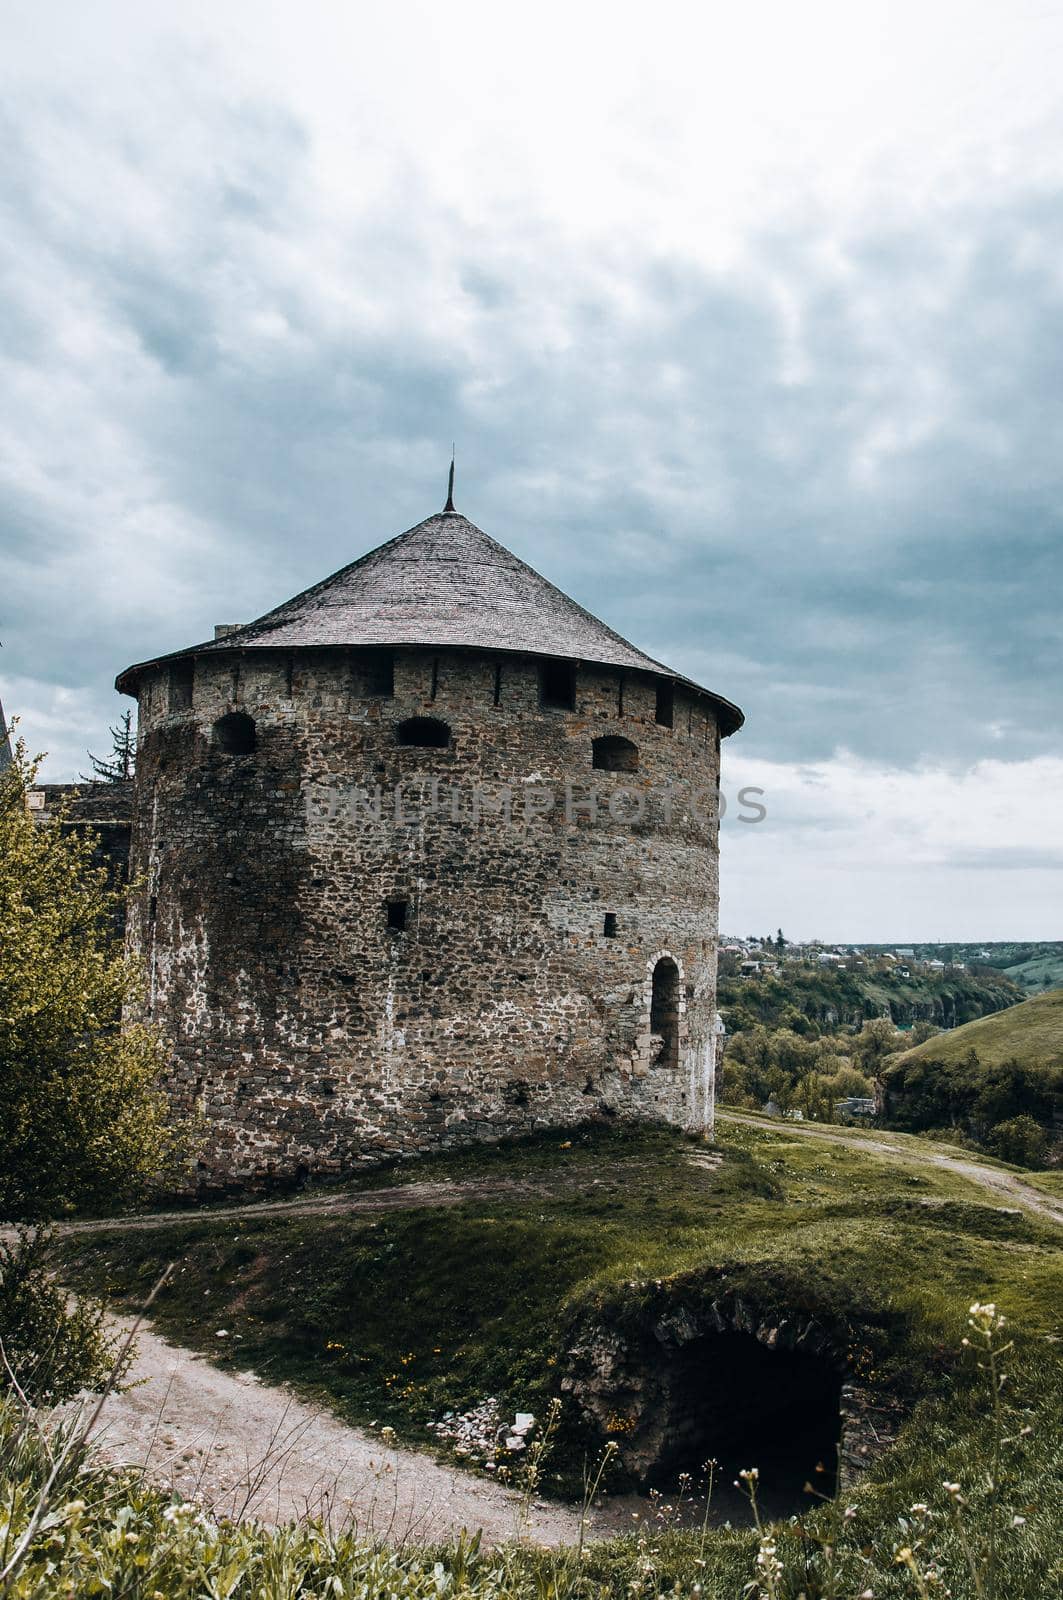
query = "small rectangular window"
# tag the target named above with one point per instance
(181, 678)
(380, 674)
(665, 714)
(557, 685)
(609, 929)
(397, 910)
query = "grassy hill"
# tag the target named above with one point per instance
(562, 1245)
(830, 999)
(1031, 1032)
(1042, 970)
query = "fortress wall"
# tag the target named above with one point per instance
(312, 1034)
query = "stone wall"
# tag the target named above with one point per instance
(312, 1033)
(103, 809)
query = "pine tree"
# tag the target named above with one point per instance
(121, 766)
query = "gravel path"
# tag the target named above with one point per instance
(1004, 1185)
(247, 1448)
(244, 1448)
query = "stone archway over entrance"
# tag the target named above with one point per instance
(690, 1382)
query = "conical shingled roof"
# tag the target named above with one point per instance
(446, 583)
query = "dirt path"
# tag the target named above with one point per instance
(244, 1448)
(1004, 1185)
(361, 1202)
(247, 1448)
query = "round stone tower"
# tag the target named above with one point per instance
(426, 855)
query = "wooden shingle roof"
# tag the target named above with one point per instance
(443, 583)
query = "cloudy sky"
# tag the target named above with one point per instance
(747, 321)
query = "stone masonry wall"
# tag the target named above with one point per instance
(313, 1035)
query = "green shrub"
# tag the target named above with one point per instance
(82, 1120)
(51, 1347)
(1020, 1140)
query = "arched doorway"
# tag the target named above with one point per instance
(664, 1012)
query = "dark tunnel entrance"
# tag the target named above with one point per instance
(732, 1399)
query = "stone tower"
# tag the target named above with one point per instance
(426, 855)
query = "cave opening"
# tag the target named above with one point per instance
(732, 1399)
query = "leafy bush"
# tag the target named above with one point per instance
(82, 1121)
(1004, 1105)
(1020, 1140)
(50, 1348)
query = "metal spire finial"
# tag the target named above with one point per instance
(450, 485)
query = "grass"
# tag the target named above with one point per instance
(71, 1529)
(1044, 971)
(1031, 1032)
(394, 1317)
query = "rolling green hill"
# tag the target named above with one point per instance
(1031, 1032)
(1043, 970)
(832, 999)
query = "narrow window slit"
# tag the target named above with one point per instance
(425, 732)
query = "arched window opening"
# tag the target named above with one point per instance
(614, 754)
(664, 1012)
(428, 733)
(234, 734)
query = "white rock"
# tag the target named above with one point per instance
(525, 1422)
(515, 1442)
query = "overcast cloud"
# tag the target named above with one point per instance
(749, 335)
